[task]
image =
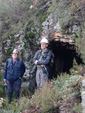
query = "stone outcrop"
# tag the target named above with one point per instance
(52, 31)
(26, 54)
(63, 38)
(83, 96)
(50, 25)
(51, 28)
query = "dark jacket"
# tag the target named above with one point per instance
(46, 58)
(14, 71)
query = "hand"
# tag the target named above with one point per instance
(42, 65)
(4, 81)
(35, 62)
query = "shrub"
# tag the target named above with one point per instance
(54, 94)
(77, 108)
(9, 52)
(2, 89)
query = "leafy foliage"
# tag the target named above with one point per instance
(77, 107)
(2, 89)
(57, 93)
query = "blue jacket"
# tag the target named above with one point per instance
(46, 58)
(14, 71)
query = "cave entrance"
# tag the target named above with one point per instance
(64, 55)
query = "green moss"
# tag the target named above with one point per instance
(30, 35)
(53, 6)
(77, 107)
(9, 52)
(12, 41)
(44, 18)
(21, 54)
(41, 12)
(29, 24)
(80, 41)
(64, 24)
(2, 89)
(25, 46)
(12, 34)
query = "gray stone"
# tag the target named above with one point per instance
(83, 96)
(75, 28)
(25, 84)
(50, 25)
(57, 27)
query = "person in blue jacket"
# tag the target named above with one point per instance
(14, 71)
(42, 61)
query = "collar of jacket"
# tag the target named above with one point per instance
(46, 51)
(16, 60)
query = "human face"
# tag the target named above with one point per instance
(14, 56)
(44, 46)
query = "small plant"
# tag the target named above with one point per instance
(76, 68)
(57, 93)
(3, 92)
(9, 52)
(25, 92)
(44, 18)
(12, 41)
(78, 108)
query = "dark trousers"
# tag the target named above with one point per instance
(15, 86)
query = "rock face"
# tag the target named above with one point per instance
(83, 96)
(26, 49)
(50, 25)
(63, 38)
(52, 28)
(63, 45)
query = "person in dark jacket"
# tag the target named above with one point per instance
(42, 60)
(14, 71)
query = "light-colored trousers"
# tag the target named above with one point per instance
(41, 78)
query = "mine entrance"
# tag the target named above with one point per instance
(64, 54)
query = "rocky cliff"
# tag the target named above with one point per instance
(62, 22)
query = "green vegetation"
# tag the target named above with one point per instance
(18, 15)
(53, 6)
(78, 107)
(2, 89)
(44, 17)
(30, 35)
(54, 94)
(58, 93)
(66, 89)
(9, 52)
(75, 69)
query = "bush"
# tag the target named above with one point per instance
(5, 111)
(77, 108)
(2, 89)
(54, 94)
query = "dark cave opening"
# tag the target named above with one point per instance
(64, 54)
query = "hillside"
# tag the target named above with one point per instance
(22, 25)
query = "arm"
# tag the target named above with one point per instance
(22, 68)
(47, 60)
(35, 57)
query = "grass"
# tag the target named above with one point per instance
(61, 92)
